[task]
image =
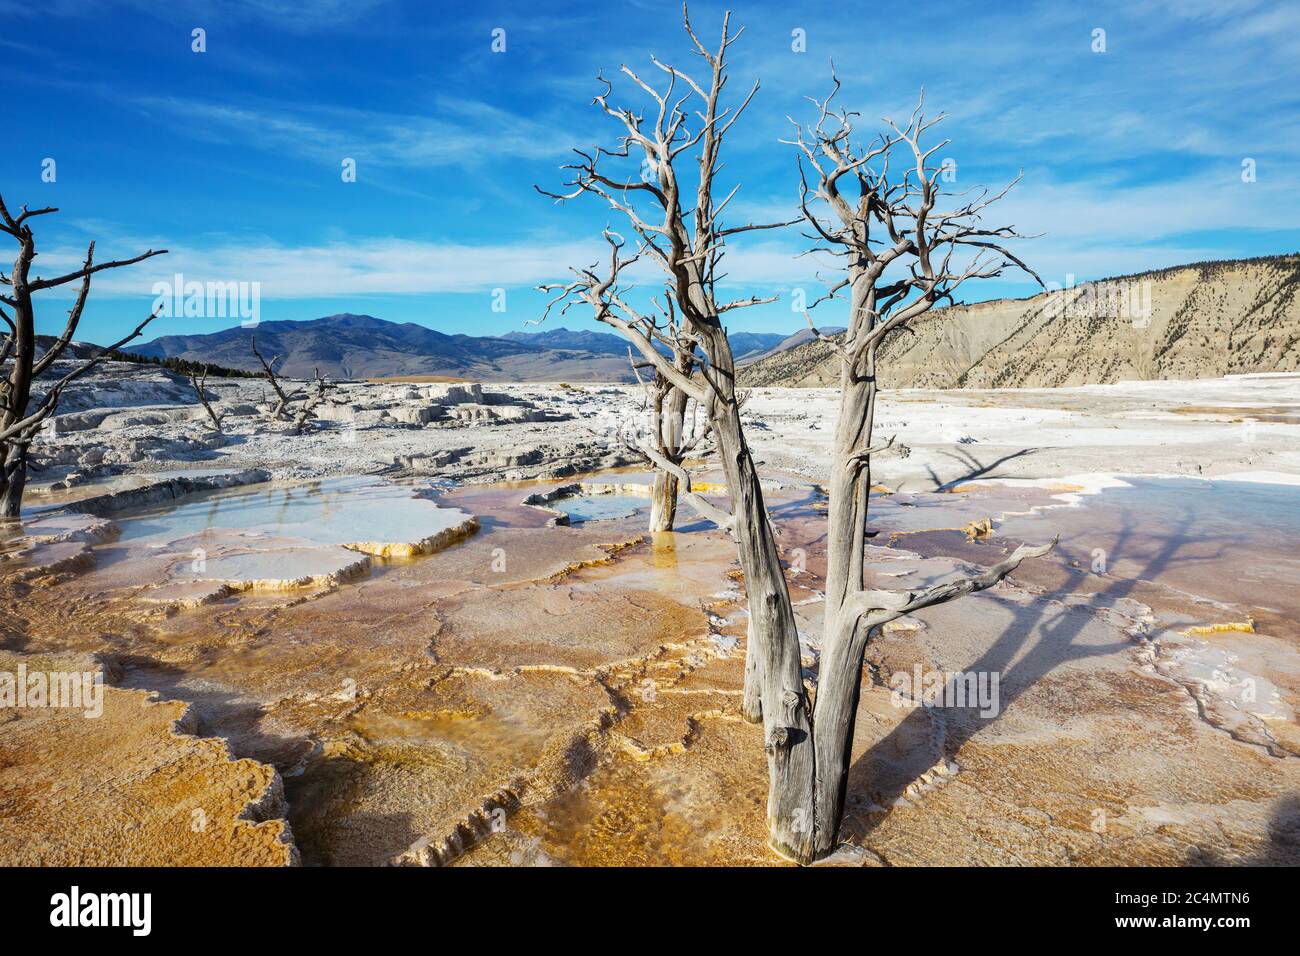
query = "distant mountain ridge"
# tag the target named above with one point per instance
(599, 343)
(352, 346)
(744, 345)
(1203, 320)
(347, 346)
(789, 342)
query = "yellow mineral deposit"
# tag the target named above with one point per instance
(533, 694)
(1227, 627)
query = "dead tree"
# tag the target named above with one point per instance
(668, 433)
(280, 412)
(307, 410)
(807, 750)
(199, 383)
(906, 245)
(668, 413)
(307, 401)
(688, 245)
(665, 446)
(21, 416)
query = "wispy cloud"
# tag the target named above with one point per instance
(458, 132)
(353, 267)
(1131, 157)
(378, 265)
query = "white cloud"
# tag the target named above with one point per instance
(458, 131)
(366, 266)
(1082, 216)
(387, 265)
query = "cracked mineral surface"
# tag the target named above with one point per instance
(291, 676)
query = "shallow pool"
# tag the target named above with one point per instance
(1226, 541)
(582, 508)
(331, 511)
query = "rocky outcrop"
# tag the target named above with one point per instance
(1198, 321)
(546, 459)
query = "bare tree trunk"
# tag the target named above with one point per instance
(663, 502)
(774, 643)
(671, 425)
(848, 488)
(839, 686)
(19, 366)
(13, 484)
(844, 637)
(751, 707)
(200, 383)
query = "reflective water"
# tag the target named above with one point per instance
(582, 508)
(332, 511)
(1225, 541)
(282, 567)
(496, 658)
(1218, 507)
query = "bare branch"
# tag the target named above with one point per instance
(199, 383)
(877, 607)
(91, 270)
(27, 426)
(706, 509)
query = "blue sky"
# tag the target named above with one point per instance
(231, 158)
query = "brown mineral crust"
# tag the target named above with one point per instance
(131, 787)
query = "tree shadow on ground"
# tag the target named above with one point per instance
(1282, 848)
(974, 467)
(879, 778)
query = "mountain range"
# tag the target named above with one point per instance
(361, 346)
(1201, 320)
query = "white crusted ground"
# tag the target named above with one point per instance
(139, 419)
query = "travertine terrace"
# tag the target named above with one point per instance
(531, 692)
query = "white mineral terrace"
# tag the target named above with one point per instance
(385, 618)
